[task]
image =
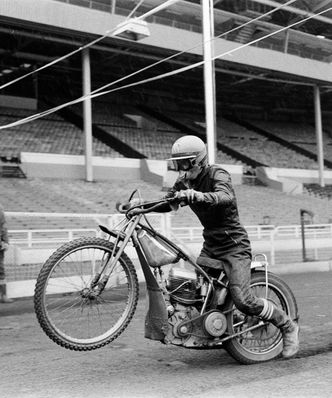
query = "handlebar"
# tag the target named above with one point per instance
(143, 208)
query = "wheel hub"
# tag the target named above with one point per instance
(87, 293)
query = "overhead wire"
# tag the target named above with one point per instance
(177, 71)
(195, 46)
(189, 67)
(42, 114)
(109, 32)
(135, 9)
(90, 44)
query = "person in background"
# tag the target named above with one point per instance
(4, 244)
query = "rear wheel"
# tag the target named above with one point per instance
(65, 304)
(265, 342)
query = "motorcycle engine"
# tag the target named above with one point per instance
(182, 285)
(188, 327)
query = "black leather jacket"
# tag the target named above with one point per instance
(223, 233)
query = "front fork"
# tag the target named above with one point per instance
(98, 283)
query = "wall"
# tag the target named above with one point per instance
(43, 165)
(290, 180)
(305, 176)
(153, 171)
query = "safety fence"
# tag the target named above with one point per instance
(30, 247)
(32, 237)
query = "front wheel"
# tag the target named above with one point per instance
(66, 308)
(264, 343)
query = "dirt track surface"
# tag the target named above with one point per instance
(31, 365)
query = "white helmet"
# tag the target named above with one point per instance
(189, 155)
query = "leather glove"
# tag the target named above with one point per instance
(190, 195)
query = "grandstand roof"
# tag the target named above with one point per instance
(27, 45)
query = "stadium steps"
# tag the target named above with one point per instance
(35, 195)
(300, 133)
(277, 139)
(10, 168)
(102, 135)
(11, 171)
(318, 191)
(257, 201)
(80, 197)
(245, 34)
(35, 136)
(198, 131)
(150, 143)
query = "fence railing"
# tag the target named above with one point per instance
(164, 222)
(30, 247)
(47, 237)
(263, 232)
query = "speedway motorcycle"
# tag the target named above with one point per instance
(87, 292)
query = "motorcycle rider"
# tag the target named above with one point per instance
(208, 190)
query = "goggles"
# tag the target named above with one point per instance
(184, 164)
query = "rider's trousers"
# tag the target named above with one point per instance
(237, 269)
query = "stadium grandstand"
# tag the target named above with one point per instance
(94, 93)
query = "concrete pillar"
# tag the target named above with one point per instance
(209, 78)
(319, 135)
(87, 114)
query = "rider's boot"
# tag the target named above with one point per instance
(290, 333)
(289, 328)
(3, 295)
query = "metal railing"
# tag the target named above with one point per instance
(161, 221)
(263, 232)
(47, 237)
(30, 248)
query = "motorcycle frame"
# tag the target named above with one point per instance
(156, 324)
(131, 233)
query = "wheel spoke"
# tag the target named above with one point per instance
(262, 339)
(65, 299)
